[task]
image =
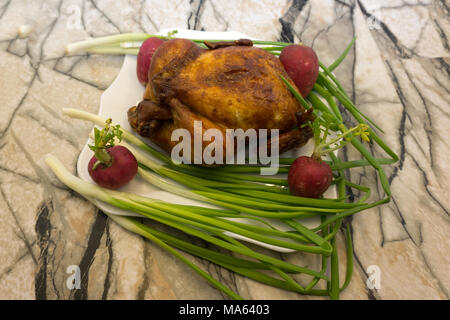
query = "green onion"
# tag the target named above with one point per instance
(116, 41)
(334, 285)
(77, 47)
(335, 64)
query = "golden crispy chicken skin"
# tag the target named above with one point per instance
(227, 87)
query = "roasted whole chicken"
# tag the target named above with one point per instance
(230, 85)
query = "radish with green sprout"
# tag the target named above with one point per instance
(111, 166)
(310, 176)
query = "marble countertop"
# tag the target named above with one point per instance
(398, 73)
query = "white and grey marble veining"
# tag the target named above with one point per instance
(398, 73)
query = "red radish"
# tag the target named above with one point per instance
(144, 58)
(111, 166)
(309, 177)
(302, 66)
(122, 169)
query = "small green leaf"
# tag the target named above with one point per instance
(96, 133)
(170, 34)
(105, 138)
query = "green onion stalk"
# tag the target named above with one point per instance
(237, 192)
(128, 43)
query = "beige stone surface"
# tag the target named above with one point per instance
(397, 73)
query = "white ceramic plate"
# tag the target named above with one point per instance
(123, 93)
